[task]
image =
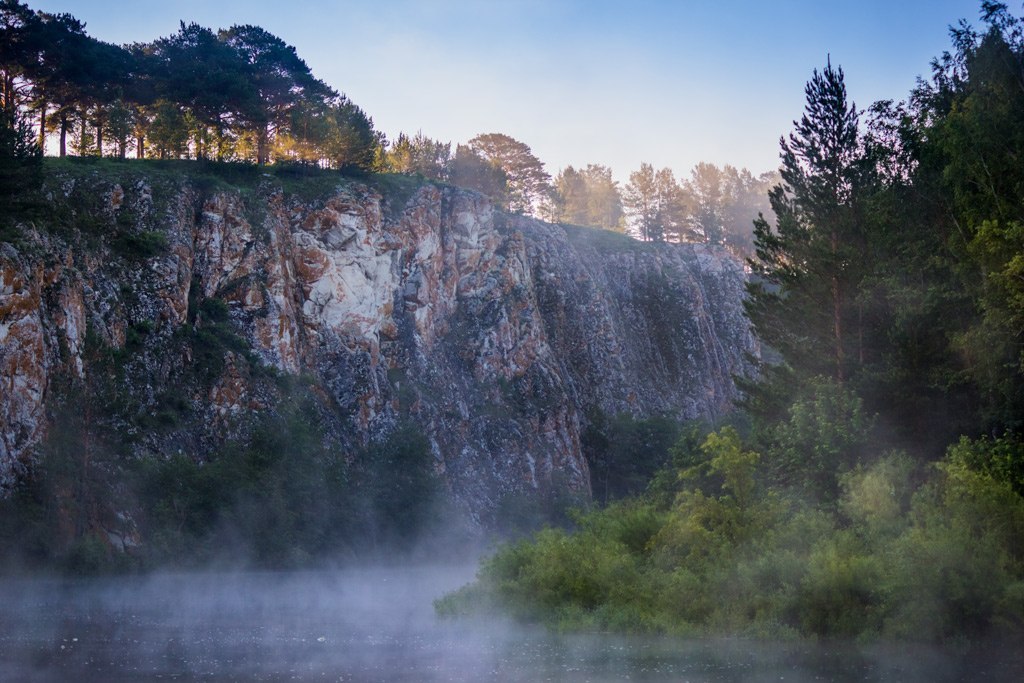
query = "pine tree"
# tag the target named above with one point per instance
(656, 204)
(588, 197)
(472, 171)
(529, 185)
(641, 201)
(802, 300)
(20, 169)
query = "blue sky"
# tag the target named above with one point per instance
(616, 83)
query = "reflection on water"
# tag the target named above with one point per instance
(378, 625)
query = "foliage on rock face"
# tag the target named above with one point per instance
(283, 497)
(280, 498)
(624, 453)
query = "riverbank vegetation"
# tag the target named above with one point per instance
(875, 487)
(905, 550)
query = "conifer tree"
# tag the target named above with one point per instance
(472, 171)
(20, 168)
(801, 301)
(641, 202)
(529, 185)
(656, 205)
(588, 196)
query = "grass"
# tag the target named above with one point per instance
(213, 175)
(605, 240)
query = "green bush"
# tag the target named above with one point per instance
(840, 594)
(1001, 458)
(139, 245)
(899, 553)
(877, 498)
(823, 436)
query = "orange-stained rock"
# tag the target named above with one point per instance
(24, 367)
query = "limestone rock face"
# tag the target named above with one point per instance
(23, 360)
(496, 334)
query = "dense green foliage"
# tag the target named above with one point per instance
(20, 170)
(892, 266)
(880, 488)
(588, 196)
(906, 553)
(624, 453)
(283, 498)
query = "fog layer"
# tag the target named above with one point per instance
(377, 624)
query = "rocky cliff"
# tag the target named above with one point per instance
(190, 300)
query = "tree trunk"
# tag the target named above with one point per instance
(262, 144)
(82, 150)
(220, 138)
(42, 127)
(860, 332)
(837, 326)
(140, 147)
(837, 311)
(63, 134)
(9, 97)
(99, 137)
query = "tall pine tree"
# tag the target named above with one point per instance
(802, 299)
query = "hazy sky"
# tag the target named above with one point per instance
(581, 81)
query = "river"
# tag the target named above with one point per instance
(377, 624)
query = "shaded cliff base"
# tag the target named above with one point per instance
(279, 497)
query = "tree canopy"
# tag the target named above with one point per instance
(236, 94)
(894, 263)
(243, 94)
(529, 185)
(588, 196)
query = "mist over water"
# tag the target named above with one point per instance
(378, 624)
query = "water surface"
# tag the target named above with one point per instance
(377, 624)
